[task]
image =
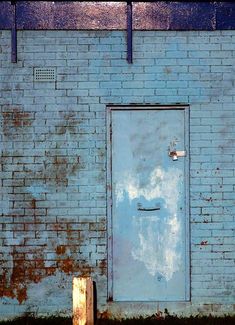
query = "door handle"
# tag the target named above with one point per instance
(140, 208)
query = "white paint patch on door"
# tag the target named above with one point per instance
(156, 249)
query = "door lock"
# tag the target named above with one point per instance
(175, 154)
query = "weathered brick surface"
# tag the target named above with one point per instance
(53, 159)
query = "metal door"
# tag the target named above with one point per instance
(148, 214)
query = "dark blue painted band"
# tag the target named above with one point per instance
(158, 15)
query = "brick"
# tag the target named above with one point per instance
(67, 126)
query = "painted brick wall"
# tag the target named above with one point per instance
(53, 160)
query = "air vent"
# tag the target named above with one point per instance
(44, 74)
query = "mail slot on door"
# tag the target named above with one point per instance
(153, 208)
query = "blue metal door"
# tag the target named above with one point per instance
(149, 212)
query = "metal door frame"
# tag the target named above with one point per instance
(111, 108)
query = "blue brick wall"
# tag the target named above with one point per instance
(53, 160)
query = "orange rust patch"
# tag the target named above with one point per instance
(20, 118)
(15, 118)
(23, 273)
(60, 160)
(61, 249)
(28, 263)
(58, 227)
(16, 288)
(22, 295)
(103, 266)
(7, 293)
(67, 265)
(33, 204)
(50, 270)
(32, 276)
(58, 169)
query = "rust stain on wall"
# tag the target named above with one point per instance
(67, 265)
(103, 266)
(60, 250)
(14, 282)
(33, 203)
(14, 119)
(26, 258)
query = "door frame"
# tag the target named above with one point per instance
(111, 108)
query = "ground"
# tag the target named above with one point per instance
(150, 320)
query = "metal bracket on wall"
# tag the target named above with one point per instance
(129, 32)
(13, 34)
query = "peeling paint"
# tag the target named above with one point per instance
(158, 254)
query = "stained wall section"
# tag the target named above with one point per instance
(53, 160)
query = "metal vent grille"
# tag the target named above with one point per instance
(44, 74)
